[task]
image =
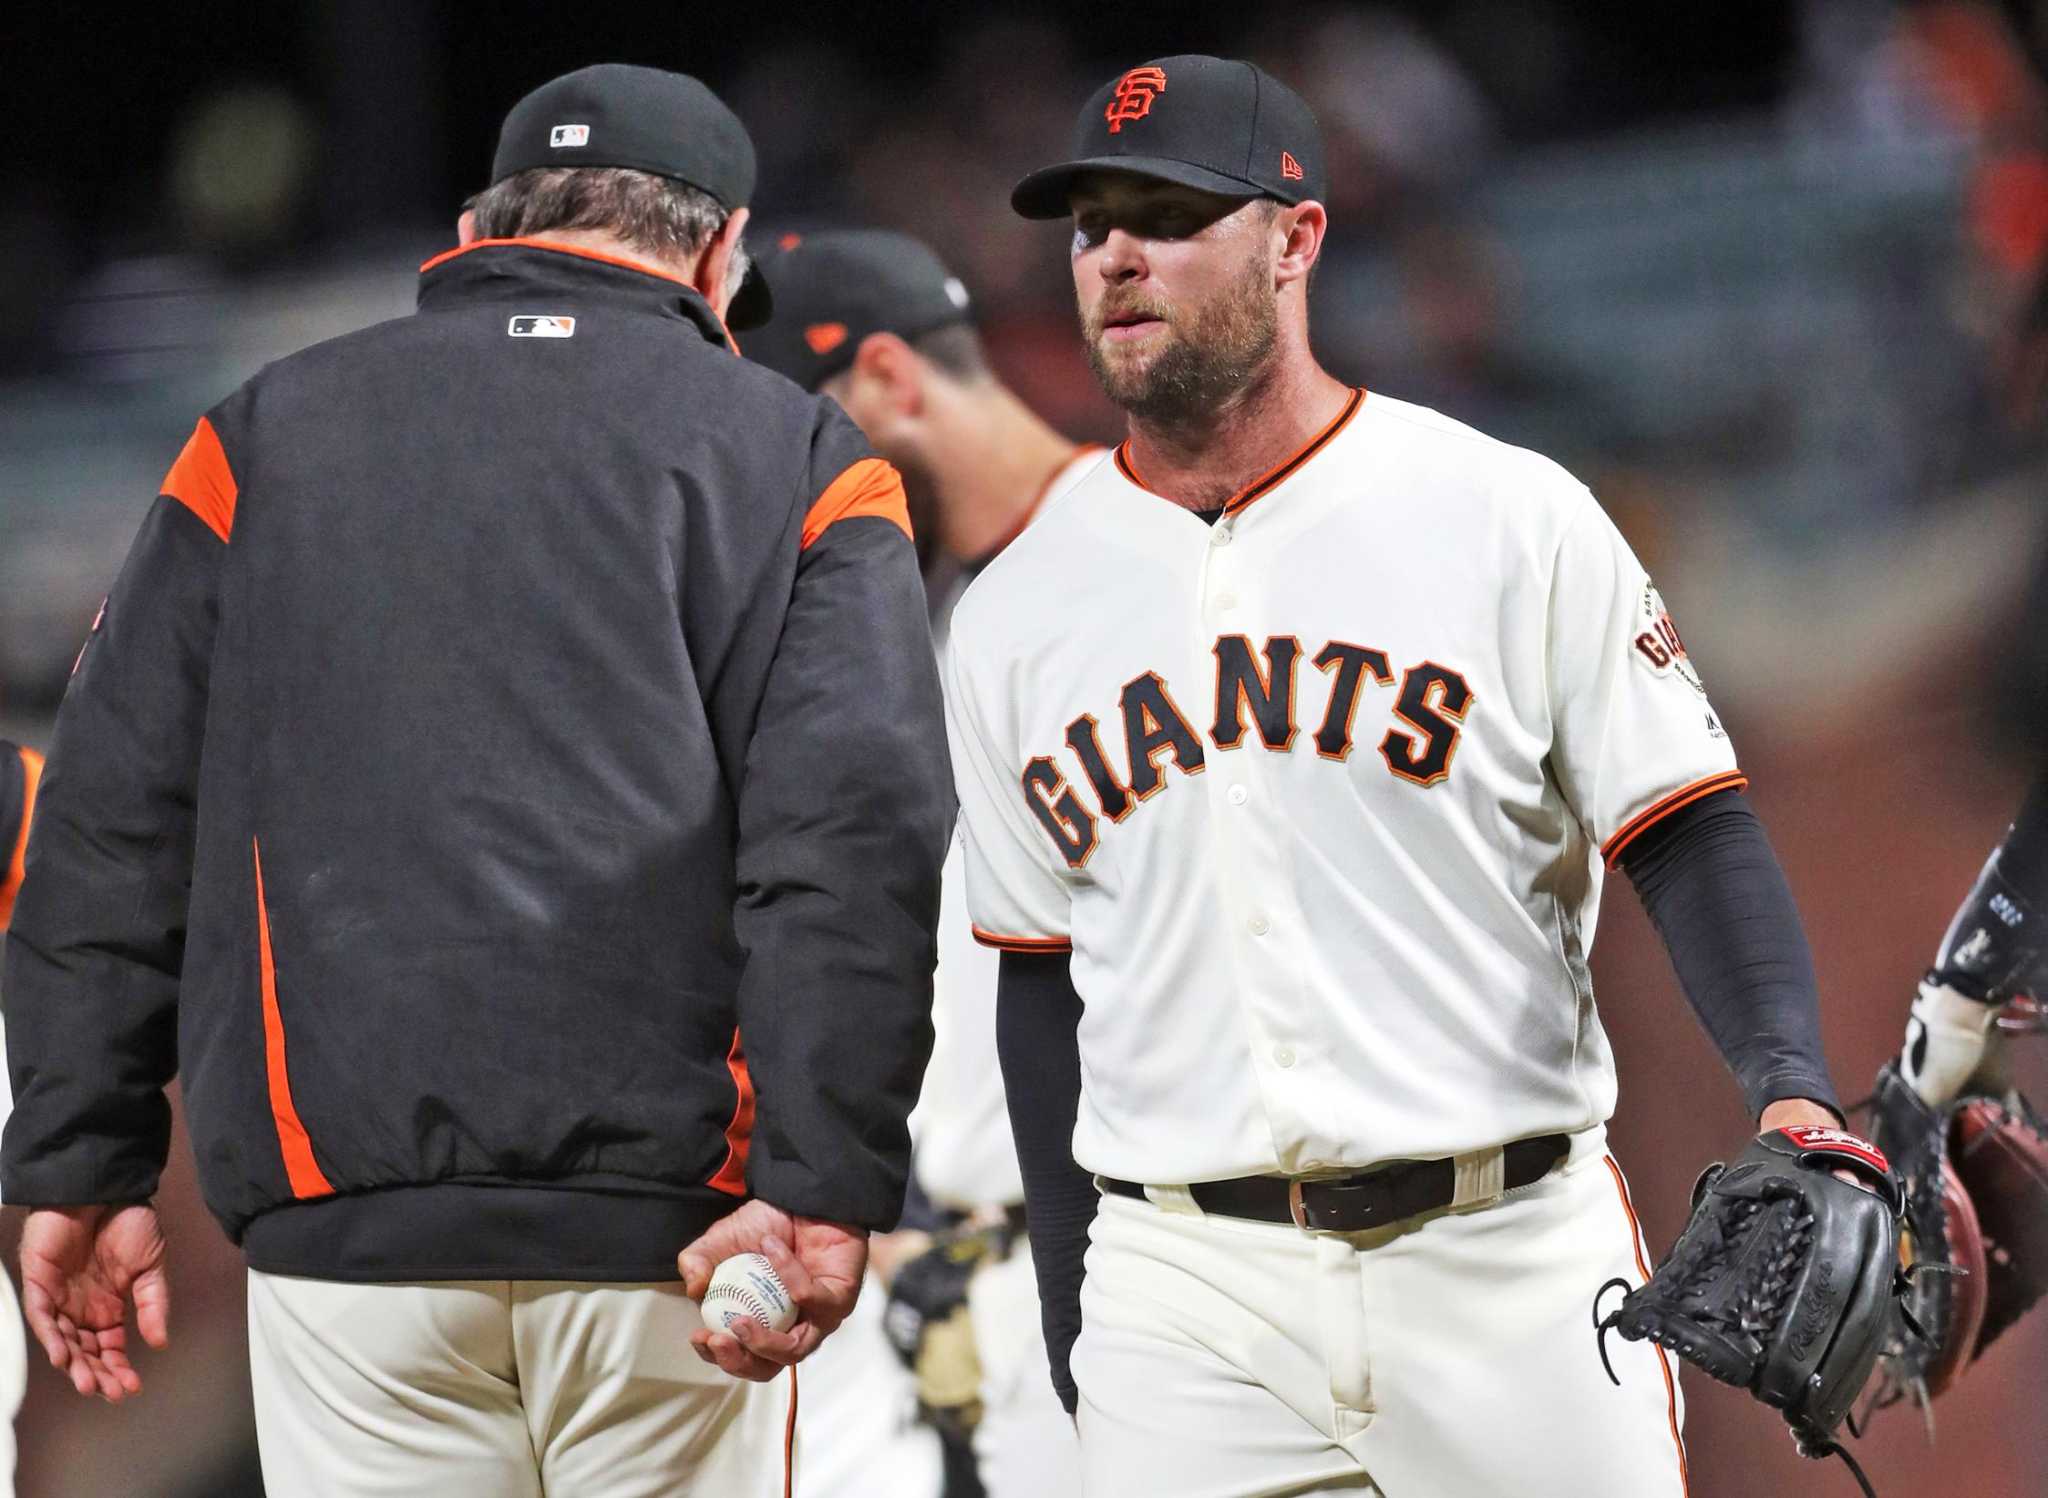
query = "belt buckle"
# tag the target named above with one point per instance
(1296, 1208)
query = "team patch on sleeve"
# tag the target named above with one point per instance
(1657, 647)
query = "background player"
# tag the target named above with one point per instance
(1292, 925)
(21, 768)
(876, 321)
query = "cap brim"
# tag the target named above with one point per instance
(752, 304)
(1044, 193)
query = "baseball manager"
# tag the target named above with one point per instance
(508, 787)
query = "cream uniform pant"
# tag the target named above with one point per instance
(1451, 1356)
(501, 1389)
(13, 1376)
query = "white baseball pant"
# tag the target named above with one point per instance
(858, 1435)
(1025, 1445)
(13, 1376)
(501, 1389)
(1451, 1356)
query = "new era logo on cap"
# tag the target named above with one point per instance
(1133, 98)
(1289, 167)
(542, 325)
(569, 135)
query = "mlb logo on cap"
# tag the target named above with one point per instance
(542, 325)
(569, 135)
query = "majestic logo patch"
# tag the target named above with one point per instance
(542, 325)
(823, 337)
(569, 135)
(1133, 98)
(1657, 646)
(1289, 167)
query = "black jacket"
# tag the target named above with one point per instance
(508, 785)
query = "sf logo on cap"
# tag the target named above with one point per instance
(1133, 98)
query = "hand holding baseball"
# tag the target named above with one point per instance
(820, 1264)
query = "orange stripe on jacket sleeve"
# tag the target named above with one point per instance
(739, 1134)
(1685, 795)
(869, 487)
(10, 882)
(1022, 943)
(202, 482)
(300, 1168)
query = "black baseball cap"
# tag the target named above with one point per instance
(1209, 122)
(835, 287)
(648, 120)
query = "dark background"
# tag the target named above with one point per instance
(1767, 275)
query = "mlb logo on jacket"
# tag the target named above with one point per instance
(542, 325)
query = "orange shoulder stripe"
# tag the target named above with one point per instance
(1685, 795)
(869, 487)
(1022, 943)
(202, 482)
(10, 881)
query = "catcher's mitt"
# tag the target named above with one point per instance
(1976, 1228)
(1785, 1281)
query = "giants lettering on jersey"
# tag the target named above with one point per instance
(1256, 696)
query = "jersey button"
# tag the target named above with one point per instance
(1282, 1057)
(1238, 795)
(1219, 534)
(1226, 600)
(1260, 925)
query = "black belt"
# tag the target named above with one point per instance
(1352, 1204)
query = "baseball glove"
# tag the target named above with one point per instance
(1785, 1281)
(1976, 1228)
(927, 1322)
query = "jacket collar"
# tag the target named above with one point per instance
(493, 268)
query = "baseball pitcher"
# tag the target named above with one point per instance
(1293, 745)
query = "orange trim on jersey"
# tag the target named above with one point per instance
(1022, 943)
(869, 487)
(1273, 477)
(10, 882)
(202, 482)
(1635, 1229)
(1685, 795)
(789, 1443)
(1038, 499)
(530, 242)
(739, 1134)
(300, 1168)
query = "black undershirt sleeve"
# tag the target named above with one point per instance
(2024, 857)
(1038, 1015)
(1713, 889)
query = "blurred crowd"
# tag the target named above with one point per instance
(1802, 308)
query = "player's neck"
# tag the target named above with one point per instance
(1201, 464)
(990, 469)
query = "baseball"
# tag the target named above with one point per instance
(746, 1287)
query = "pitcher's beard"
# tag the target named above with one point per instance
(1209, 358)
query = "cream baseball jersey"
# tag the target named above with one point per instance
(965, 1155)
(1318, 795)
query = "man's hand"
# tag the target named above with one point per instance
(80, 1266)
(1786, 1112)
(821, 1265)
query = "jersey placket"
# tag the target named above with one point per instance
(1263, 920)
